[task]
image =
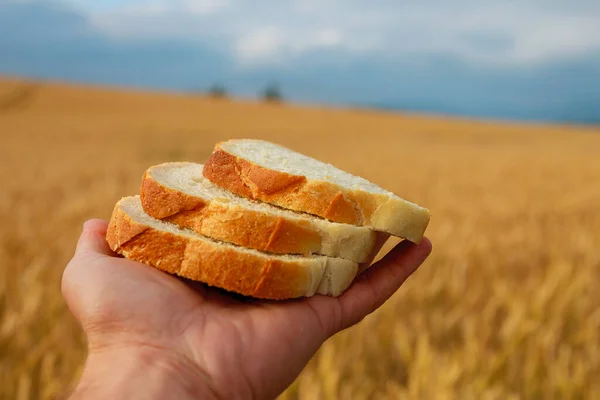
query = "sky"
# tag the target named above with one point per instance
(524, 60)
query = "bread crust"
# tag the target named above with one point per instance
(247, 227)
(223, 266)
(163, 202)
(325, 199)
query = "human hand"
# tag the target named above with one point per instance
(153, 335)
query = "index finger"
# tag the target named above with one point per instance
(375, 286)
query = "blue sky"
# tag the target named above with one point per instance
(527, 59)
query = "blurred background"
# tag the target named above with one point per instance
(487, 113)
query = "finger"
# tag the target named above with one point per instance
(369, 291)
(381, 281)
(93, 238)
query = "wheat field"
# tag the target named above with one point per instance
(507, 306)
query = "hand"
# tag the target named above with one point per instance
(152, 335)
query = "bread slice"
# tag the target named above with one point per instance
(165, 246)
(178, 193)
(266, 171)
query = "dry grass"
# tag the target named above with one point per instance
(507, 307)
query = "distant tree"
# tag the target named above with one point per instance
(218, 91)
(272, 93)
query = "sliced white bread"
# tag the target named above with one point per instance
(178, 193)
(162, 245)
(274, 174)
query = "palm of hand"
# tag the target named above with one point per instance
(243, 346)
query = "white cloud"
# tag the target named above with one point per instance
(328, 37)
(204, 7)
(259, 46)
(272, 45)
(507, 33)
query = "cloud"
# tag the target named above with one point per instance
(49, 40)
(491, 33)
(270, 45)
(203, 7)
(199, 7)
(538, 61)
(262, 44)
(328, 37)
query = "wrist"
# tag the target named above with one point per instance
(142, 372)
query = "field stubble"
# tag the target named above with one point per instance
(506, 307)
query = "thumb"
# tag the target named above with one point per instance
(77, 274)
(93, 238)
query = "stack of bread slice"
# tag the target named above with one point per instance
(261, 220)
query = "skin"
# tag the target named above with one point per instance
(152, 335)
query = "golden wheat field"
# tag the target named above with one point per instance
(507, 306)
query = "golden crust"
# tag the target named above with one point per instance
(122, 229)
(289, 191)
(222, 169)
(254, 228)
(160, 202)
(228, 222)
(207, 261)
(321, 198)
